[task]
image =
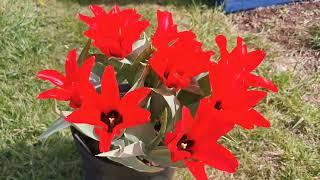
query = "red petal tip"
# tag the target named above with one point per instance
(221, 39)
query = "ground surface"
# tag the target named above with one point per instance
(35, 35)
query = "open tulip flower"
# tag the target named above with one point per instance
(194, 141)
(230, 79)
(110, 114)
(147, 126)
(69, 86)
(179, 56)
(114, 32)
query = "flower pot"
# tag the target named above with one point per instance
(96, 168)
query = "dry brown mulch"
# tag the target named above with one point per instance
(288, 27)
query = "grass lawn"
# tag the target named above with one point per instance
(35, 35)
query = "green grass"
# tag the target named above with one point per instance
(35, 37)
(315, 37)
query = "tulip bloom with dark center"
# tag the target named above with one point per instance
(194, 141)
(109, 113)
(114, 32)
(179, 56)
(69, 87)
(231, 79)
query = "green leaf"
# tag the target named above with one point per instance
(84, 53)
(141, 79)
(58, 125)
(144, 132)
(95, 80)
(157, 104)
(98, 69)
(139, 44)
(152, 80)
(100, 58)
(141, 50)
(204, 84)
(121, 67)
(119, 61)
(170, 99)
(125, 61)
(194, 88)
(163, 121)
(119, 142)
(193, 107)
(133, 72)
(106, 61)
(86, 129)
(134, 149)
(187, 98)
(136, 164)
(162, 156)
(131, 137)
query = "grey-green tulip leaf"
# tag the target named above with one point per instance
(138, 44)
(58, 125)
(86, 129)
(132, 150)
(171, 100)
(136, 164)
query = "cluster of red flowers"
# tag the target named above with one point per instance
(178, 58)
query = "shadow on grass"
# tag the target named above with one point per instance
(136, 2)
(56, 158)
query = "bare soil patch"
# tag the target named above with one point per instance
(288, 28)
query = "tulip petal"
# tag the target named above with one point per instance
(257, 119)
(166, 31)
(208, 123)
(86, 116)
(253, 59)
(133, 116)
(216, 155)
(97, 10)
(105, 139)
(197, 169)
(55, 93)
(170, 136)
(71, 66)
(87, 66)
(86, 19)
(221, 41)
(185, 123)
(109, 86)
(258, 81)
(254, 97)
(136, 97)
(53, 76)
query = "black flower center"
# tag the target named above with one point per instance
(111, 119)
(218, 105)
(185, 144)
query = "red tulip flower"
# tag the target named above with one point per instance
(230, 81)
(114, 32)
(69, 87)
(179, 56)
(110, 114)
(166, 31)
(194, 141)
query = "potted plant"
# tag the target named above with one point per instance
(141, 107)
